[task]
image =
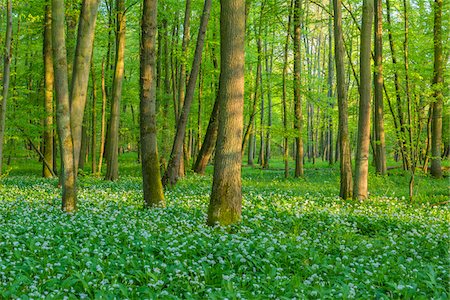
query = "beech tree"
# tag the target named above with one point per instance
(438, 81)
(346, 179)
(153, 192)
(70, 107)
(365, 91)
(226, 197)
(112, 171)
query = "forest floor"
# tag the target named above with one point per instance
(297, 239)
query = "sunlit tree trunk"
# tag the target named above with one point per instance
(48, 93)
(153, 191)
(344, 154)
(112, 171)
(438, 81)
(362, 150)
(80, 75)
(68, 176)
(226, 196)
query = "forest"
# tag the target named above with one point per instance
(228, 149)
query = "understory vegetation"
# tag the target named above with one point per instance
(297, 240)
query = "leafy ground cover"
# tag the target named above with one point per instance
(297, 240)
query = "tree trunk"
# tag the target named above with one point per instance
(68, 176)
(269, 64)
(438, 82)
(329, 139)
(362, 150)
(48, 94)
(171, 175)
(93, 121)
(297, 95)
(226, 196)
(380, 146)
(80, 75)
(6, 77)
(153, 191)
(182, 83)
(344, 153)
(112, 171)
(167, 88)
(284, 96)
(103, 125)
(250, 129)
(209, 142)
(401, 122)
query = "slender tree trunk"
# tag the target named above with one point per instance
(344, 153)
(84, 146)
(400, 114)
(167, 87)
(362, 150)
(112, 171)
(380, 147)
(330, 91)
(407, 86)
(438, 81)
(250, 129)
(6, 77)
(68, 176)
(103, 125)
(48, 93)
(226, 196)
(209, 142)
(198, 145)
(269, 64)
(182, 82)
(284, 96)
(297, 95)
(428, 140)
(171, 175)
(153, 191)
(80, 75)
(94, 121)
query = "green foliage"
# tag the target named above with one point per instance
(296, 239)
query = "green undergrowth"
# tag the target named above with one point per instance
(296, 240)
